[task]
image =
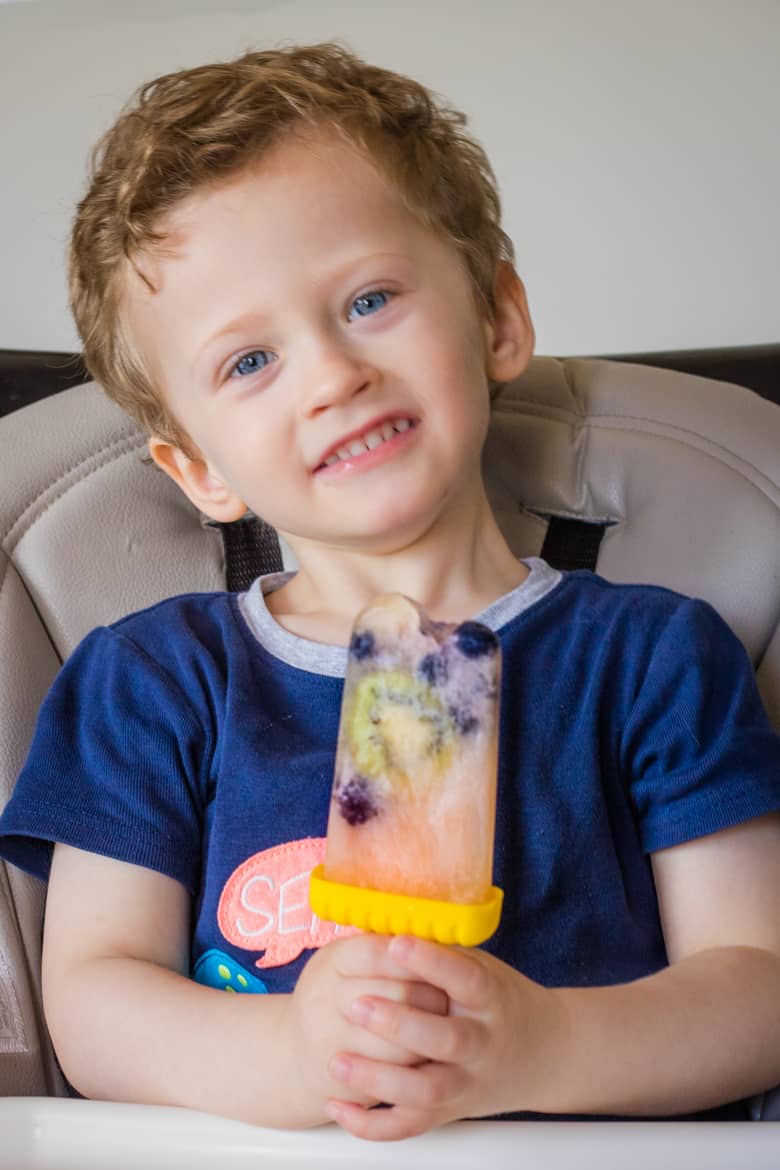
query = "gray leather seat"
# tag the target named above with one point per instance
(685, 471)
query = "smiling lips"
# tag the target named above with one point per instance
(384, 434)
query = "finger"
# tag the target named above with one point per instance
(424, 1086)
(447, 1039)
(370, 953)
(366, 956)
(415, 994)
(380, 1125)
(360, 1101)
(403, 991)
(457, 972)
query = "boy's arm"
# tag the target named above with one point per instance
(126, 1023)
(706, 1030)
(702, 1032)
(129, 1025)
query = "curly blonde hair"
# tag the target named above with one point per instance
(200, 126)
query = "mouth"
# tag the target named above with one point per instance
(373, 439)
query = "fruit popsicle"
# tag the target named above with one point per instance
(412, 814)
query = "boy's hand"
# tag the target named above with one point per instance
(490, 1054)
(319, 1021)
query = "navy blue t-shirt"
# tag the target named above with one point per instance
(198, 738)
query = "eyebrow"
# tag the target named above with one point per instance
(236, 326)
(260, 318)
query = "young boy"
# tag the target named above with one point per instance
(290, 269)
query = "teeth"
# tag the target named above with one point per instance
(369, 441)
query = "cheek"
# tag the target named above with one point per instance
(465, 342)
(466, 377)
(231, 429)
(452, 348)
(261, 460)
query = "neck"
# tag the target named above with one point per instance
(454, 570)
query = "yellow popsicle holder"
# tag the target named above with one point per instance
(385, 913)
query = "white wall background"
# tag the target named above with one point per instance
(635, 141)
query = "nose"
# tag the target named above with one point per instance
(333, 374)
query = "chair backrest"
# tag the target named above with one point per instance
(683, 471)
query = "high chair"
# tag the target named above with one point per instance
(645, 475)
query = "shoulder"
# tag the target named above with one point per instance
(185, 614)
(619, 636)
(188, 626)
(582, 587)
(586, 606)
(641, 611)
(180, 646)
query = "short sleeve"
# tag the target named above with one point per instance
(698, 747)
(115, 766)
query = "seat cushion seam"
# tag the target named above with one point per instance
(660, 429)
(684, 437)
(55, 490)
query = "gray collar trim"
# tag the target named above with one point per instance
(321, 658)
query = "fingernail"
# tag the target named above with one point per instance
(339, 1068)
(361, 1010)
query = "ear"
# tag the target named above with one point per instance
(201, 483)
(509, 332)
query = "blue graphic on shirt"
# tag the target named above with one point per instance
(216, 969)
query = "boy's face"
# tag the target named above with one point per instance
(301, 309)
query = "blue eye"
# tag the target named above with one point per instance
(369, 302)
(250, 363)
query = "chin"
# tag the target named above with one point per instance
(394, 529)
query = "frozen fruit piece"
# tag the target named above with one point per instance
(464, 721)
(362, 645)
(357, 804)
(393, 722)
(414, 790)
(474, 639)
(433, 668)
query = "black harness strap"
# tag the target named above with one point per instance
(251, 549)
(572, 544)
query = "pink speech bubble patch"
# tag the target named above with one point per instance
(265, 904)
